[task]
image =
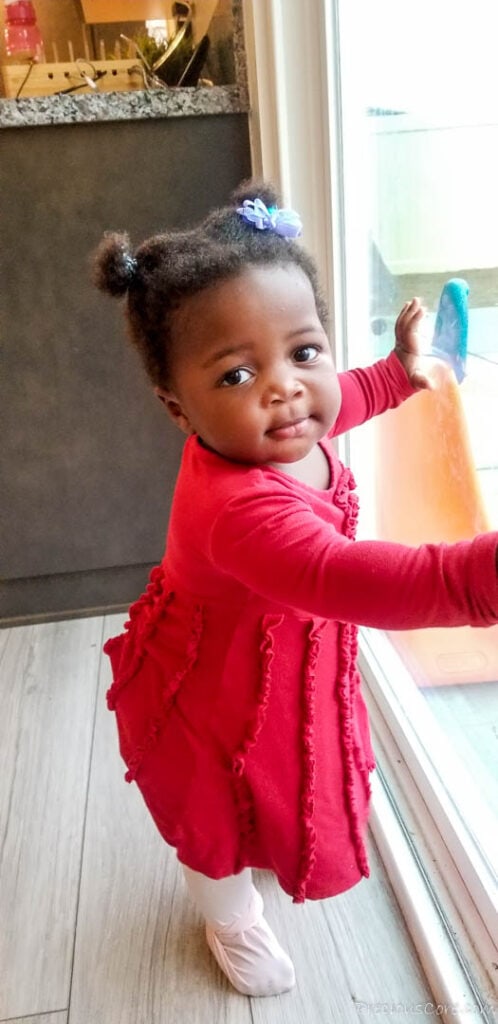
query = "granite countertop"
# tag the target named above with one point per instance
(136, 104)
(122, 106)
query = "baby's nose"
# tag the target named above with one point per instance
(283, 385)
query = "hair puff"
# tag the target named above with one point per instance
(254, 188)
(114, 266)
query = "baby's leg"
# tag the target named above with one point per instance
(238, 935)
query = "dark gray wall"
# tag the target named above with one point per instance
(88, 457)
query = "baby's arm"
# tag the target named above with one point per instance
(280, 549)
(371, 391)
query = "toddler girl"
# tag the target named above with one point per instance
(238, 703)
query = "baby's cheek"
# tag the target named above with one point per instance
(335, 398)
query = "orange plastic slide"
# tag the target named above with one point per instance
(428, 491)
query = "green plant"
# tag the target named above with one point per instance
(151, 50)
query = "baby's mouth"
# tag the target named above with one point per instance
(290, 428)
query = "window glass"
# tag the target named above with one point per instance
(420, 130)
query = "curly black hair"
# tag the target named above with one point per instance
(168, 267)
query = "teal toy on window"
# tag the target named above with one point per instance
(452, 326)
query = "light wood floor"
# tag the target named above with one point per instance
(96, 927)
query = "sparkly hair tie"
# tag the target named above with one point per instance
(284, 222)
(130, 264)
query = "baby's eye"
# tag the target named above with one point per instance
(306, 353)
(233, 377)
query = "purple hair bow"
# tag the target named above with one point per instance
(284, 222)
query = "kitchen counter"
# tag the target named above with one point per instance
(90, 458)
(134, 104)
(122, 106)
(88, 454)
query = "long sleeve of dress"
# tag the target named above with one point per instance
(279, 548)
(370, 391)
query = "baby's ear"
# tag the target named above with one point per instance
(174, 410)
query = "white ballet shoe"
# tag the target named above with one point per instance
(249, 954)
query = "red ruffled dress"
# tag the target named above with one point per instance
(238, 702)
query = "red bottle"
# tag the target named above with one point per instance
(22, 36)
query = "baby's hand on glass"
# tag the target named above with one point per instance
(408, 343)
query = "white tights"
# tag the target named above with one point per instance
(238, 935)
(221, 900)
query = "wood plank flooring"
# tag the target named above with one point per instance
(48, 699)
(96, 927)
(59, 1017)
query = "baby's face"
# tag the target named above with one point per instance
(252, 370)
